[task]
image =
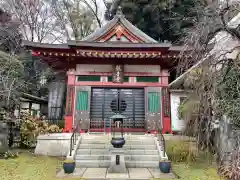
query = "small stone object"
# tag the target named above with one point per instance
(3, 138)
(118, 164)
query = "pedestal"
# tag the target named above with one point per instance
(117, 162)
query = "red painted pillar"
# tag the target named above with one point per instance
(68, 118)
(166, 120)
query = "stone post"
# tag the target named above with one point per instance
(3, 138)
(118, 164)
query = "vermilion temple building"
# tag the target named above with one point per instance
(116, 65)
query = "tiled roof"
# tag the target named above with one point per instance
(119, 19)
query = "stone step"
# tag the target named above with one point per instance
(127, 157)
(109, 146)
(106, 164)
(134, 142)
(107, 152)
(125, 137)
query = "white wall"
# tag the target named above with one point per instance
(176, 123)
(35, 106)
(142, 68)
(93, 68)
(25, 105)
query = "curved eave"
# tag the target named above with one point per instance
(101, 31)
(108, 54)
(119, 45)
(71, 45)
(30, 44)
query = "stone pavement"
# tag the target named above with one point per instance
(102, 174)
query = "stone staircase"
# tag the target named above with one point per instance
(141, 151)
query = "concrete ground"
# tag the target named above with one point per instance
(102, 174)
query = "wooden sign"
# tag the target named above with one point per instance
(118, 73)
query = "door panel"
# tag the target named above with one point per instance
(104, 103)
(153, 108)
(82, 106)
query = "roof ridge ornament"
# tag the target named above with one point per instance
(119, 11)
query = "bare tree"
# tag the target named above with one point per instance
(76, 21)
(36, 19)
(212, 20)
(215, 51)
(94, 7)
(10, 36)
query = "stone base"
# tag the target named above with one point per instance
(117, 166)
(56, 144)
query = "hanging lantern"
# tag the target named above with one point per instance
(119, 141)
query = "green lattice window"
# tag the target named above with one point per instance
(153, 102)
(125, 79)
(89, 78)
(147, 79)
(82, 101)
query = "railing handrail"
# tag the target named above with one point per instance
(74, 136)
(161, 138)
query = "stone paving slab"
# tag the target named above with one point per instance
(92, 173)
(117, 175)
(156, 173)
(102, 174)
(139, 173)
(78, 172)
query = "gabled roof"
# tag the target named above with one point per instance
(119, 23)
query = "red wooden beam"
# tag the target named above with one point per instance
(131, 74)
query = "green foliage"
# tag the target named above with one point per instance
(11, 81)
(181, 110)
(34, 72)
(188, 108)
(162, 19)
(228, 96)
(10, 65)
(60, 124)
(27, 166)
(10, 155)
(180, 151)
(193, 77)
(32, 127)
(187, 152)
(54, 129)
